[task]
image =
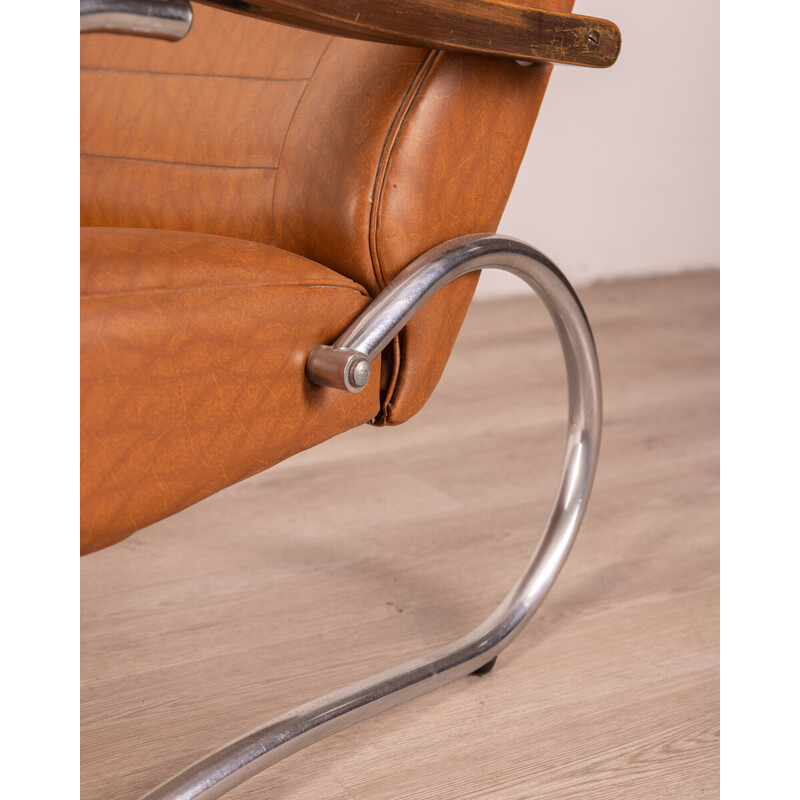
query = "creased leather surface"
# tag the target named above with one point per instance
(193, 352)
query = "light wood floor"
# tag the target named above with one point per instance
(383, 544)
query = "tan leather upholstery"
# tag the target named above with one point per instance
(193, 354)
(438, 159)
(187, 135)
(358, 156)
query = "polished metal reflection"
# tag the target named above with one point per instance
(366, 337)
(162, 19)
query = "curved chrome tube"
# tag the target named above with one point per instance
(161, 19)
(219, 772)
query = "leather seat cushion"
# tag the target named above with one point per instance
(193, 350)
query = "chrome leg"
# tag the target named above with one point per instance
(346, 366)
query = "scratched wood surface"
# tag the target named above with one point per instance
(382, 544)
(519, 30)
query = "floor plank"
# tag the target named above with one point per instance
(382, 544)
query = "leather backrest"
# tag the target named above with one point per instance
(357, 155)
(393, 150)
(188, 135)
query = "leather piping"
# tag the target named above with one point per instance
(122, 71)
(173, 163)
(386, 154)
(389, 380)
(228, 287)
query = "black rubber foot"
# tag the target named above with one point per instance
(487, 667)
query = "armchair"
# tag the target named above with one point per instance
(281, 236)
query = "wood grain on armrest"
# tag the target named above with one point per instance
(489, 27)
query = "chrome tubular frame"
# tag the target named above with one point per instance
(346, 365)
(161, 19)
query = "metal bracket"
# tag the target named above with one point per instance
(342, 366)
(161, 19)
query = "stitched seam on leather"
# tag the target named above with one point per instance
(194, 75)
(288, 129)
(223, 288)
(383, 162)
(380, 183)
(174, 163)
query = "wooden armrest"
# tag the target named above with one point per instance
(490, 27)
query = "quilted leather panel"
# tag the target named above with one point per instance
(139, 194)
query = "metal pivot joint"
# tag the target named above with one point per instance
(345, 365)
(338, 367)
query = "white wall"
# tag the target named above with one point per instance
(621, 176)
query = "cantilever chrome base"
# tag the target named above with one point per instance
(346, 365)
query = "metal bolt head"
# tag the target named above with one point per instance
(359, 372)
(594, 38)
